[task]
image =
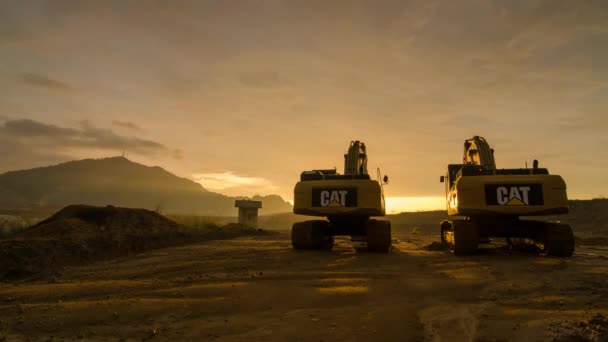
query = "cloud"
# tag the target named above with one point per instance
(40, 136)
(31, 128)
(230, 183)
(261, 79)
(15, 155)
(178, 154)
(126, 124)
(37, 80)
(587, 119)
(392, 73)
(106, 139)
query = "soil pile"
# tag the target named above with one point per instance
(434, 246)
(80, 222)
(79, 234)
(592, 241)
(592, 330)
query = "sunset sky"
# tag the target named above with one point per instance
(244, 95)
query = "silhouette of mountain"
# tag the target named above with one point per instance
(120, 182)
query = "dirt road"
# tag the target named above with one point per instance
(256, 289)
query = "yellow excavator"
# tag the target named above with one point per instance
(484, 202)
(348, 201)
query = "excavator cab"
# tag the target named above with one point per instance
(450, 177)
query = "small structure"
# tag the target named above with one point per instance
(248, 212)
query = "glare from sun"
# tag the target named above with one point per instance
(395, 205)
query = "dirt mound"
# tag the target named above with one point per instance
(592, 241)
(80, 234)
(592, 330)
(84, 222)
(434, 246)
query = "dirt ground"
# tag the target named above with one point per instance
(258, 288)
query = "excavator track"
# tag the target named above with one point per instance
(546, 238)
(378, 236)
(460, 236)
(556, 239)
(312, 234)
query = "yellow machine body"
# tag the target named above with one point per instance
(506, 195)
(485, 202)
(347, 201)
(352, 197)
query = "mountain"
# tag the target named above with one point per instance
(120, 182)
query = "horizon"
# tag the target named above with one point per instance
(394, 205)
(243, 97)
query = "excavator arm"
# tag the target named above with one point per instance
(477, 151)
(355, 160)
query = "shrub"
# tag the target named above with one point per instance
(11, 225)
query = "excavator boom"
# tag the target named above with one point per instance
(477, 151)
(355, 160)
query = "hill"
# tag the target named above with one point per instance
(121, 182)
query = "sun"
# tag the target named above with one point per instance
(395, 205)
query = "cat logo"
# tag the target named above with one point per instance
(335, 198)
(513, 195)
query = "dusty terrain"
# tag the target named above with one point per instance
(258, 288)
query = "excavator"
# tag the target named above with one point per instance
(348, 201)
(484, 202)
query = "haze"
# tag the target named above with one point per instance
(244, 95)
